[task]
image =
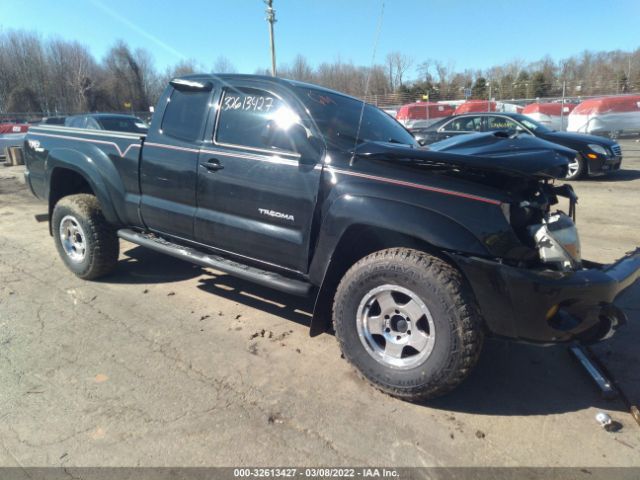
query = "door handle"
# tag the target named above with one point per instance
(213, 165)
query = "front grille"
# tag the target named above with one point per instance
(617, 151)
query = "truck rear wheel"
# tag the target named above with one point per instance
(408, 323)
(87, 244)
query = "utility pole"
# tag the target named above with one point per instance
(271, 18)
(489, 102)
(564, 91)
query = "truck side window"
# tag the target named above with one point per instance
(246, 115)
(184, 116)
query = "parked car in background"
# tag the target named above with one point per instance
(11, 135)
(553, 115)
(13, 128)
(108, 121)
(472, 106)
(500, 143)
(52, 121)
(595, 155)
(508, 107)
(608, 116)
(423, 114)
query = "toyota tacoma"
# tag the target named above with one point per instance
(413, 256)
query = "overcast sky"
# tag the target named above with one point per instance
(470, 33)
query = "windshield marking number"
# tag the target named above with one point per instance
(256, 103)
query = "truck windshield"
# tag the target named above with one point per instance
(338, 117)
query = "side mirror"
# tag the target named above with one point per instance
(422, 142)
(294, 138)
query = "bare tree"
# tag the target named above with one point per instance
(23, 68)
(59, 76)
(183, 67)
(424, 69)
(73, 72)
(223, 65)
(397, 65)
(301, 70)
(125, 80)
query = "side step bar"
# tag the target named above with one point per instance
(252, 274)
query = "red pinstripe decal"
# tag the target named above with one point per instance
(172, 147)
(420, 187)
(278, 160)
(89, 140)
(284, 162)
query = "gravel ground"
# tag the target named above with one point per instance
(168, 364)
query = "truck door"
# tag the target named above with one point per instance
(169, 159)
(256, 191)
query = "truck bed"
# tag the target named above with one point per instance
(115, 154)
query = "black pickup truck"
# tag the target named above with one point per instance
(413, 256)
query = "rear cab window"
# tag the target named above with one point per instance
(184, 115)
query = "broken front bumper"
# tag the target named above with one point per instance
(550, 306)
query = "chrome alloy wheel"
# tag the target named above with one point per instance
(73, 239)
(574, 168)
(395, 326)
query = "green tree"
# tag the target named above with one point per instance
(622, 83)
(521, 85)
(479, 89)
(540, 86)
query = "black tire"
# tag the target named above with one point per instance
(100, 253)
(577, 173)
(458, 334)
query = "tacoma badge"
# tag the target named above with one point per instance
(272, 213)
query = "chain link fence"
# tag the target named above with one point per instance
(396, 100)
(390, 102)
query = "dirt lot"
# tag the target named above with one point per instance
(167, 364)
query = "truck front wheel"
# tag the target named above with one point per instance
(87, 244)
(408, 322)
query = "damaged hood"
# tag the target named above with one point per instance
(513, 155)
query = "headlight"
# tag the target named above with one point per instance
(557, 241)
(599, 149)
